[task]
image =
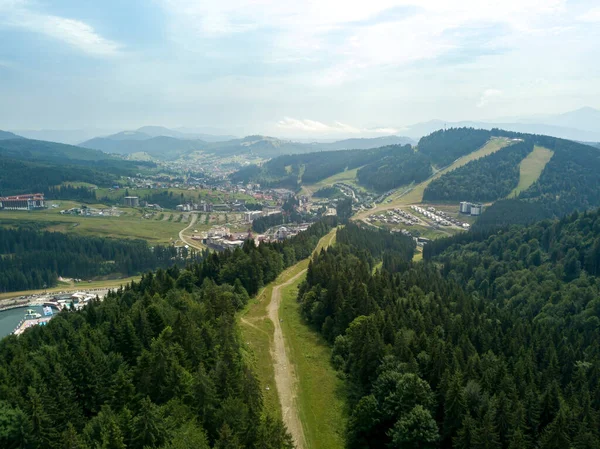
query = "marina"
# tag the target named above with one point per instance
(17, 317)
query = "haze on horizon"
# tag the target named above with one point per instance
(297, 69)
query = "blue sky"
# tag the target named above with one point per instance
(312, 68)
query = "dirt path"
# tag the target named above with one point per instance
(285, 376)
(190, 242)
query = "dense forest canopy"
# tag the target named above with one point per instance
(396, 169)
(492, 343)
(158, 364)
(445, 146)
(292, 170)
(31, 259)
(486, 179)
(381, 169)
(569, 182)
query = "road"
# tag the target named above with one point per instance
(191, 242)
(285, 376)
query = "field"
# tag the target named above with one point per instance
(531, 168)
(130, 225)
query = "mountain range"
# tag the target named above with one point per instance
(164, 143)
(581, 125)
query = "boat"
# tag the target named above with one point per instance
(32, 315)
(48, 311)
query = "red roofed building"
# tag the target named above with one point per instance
(23, 202)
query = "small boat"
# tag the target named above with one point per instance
(48, 311)
(32, 315)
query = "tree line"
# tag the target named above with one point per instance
(33, 259)
(491, 343)
(157, 364)
(445, 146)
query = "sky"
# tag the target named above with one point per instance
(310, 68)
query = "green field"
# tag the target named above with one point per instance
(531, 168)
(130, 226)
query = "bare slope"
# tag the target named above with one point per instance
(531, 168)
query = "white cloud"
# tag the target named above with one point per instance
(306, 126)
(593, 15)
(78, 34)
(313, 126)
(347, 37)
(487, 96)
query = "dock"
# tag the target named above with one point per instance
(26, 324)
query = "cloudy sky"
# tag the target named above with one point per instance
(293, 68)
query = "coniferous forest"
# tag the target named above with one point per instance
(493, 342)
(31, 259)
(157, 364)
(486, 179)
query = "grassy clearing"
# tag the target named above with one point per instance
(257, 331)
(531, 168)
(347, 176)
(125, 226)
(321, 394)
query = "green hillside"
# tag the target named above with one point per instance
(293, 170)
(531, 168)
(486, 179)
(569, 182)
(33, 165)
(492, 338)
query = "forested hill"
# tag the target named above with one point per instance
(486, 179)
(445, 146)
(381, 169)
(156, 365)
(30, 259)
(33, 165)
(392, 170)
(289, 171)
(568, 182)
(8, 135)
(493, 345)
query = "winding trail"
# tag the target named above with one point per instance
(188, 242)
(285, 375)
